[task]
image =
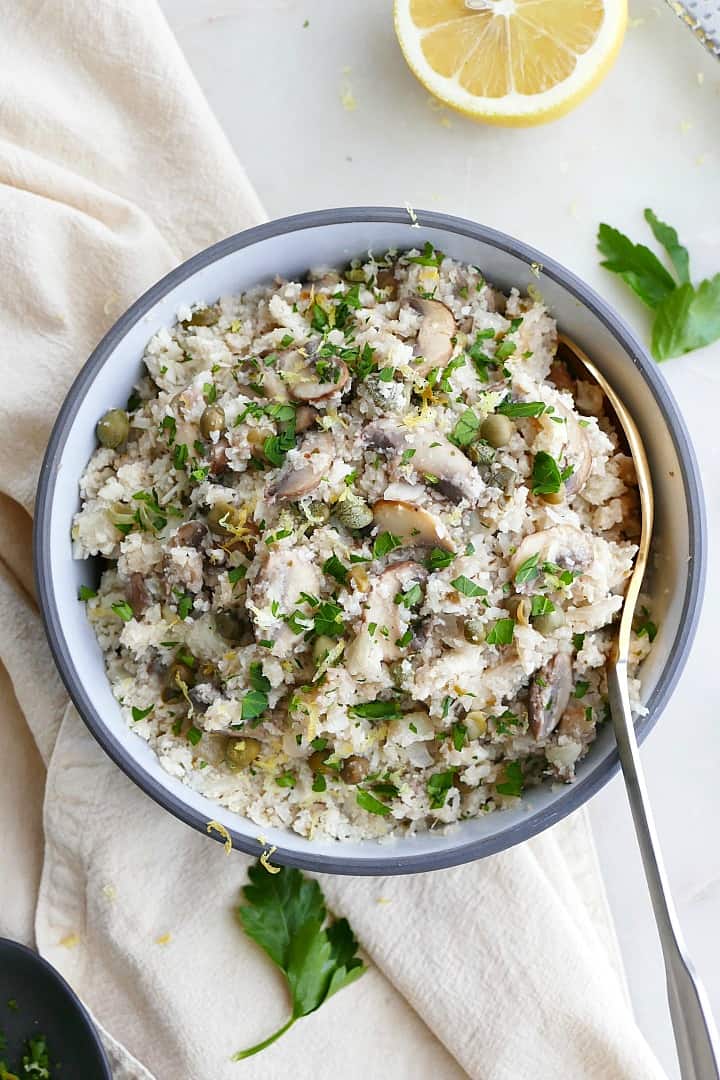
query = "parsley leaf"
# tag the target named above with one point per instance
(546, 477)
(467, 587)
(527, 571)
(521, 408)
(335, 568)
(438, 786)
(501, 632)
(327, 620)
(255, 701)
(140, 714)
(123, 610)
(86, 593)
(668, 237)
(688, 319)
(385, 543)
(513, 782)
(368, 802)
(438, 559)
(466, 429)
(376, 710)
(285, 915)
(636, 264)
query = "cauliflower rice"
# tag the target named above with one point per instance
(363, 540)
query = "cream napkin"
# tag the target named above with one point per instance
(112, 171)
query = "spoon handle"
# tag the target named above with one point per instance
(696, 1036)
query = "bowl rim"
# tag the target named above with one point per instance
(386, 862)
(9, 945)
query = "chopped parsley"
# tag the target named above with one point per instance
(180, 456)
(140, 714)
(286, 779)
(385, 543)
(411, 597)
(513, 782)
(210, 392)
(501, 632)
(546, 476)
(376, 710)
(86, 593)
(646, 627)
(194, 735)
(327, 621)
(578, 641)
(123, 610)
(541, 606)
(466, 429)
(407, 456)
(581, 689)
(522, 408)
(438, 786)
(439, 559)
(336, 569)
(368, 802)
(255, 701)
(184, 606)
(467, 587)
(527, 571)
(237, 574)
(459, 735)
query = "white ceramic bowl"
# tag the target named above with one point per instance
(290, 247)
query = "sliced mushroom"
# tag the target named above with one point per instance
(549, 695)
(435, 460)
(276, 593)
(579, 455)
(383, 614)
(563, 545)
(311, 388)
(138, 595)
(589, 398)
(191, 534)
(302, 473)
(218, 457)
(434, 340)
(412, 524)
(305, 417)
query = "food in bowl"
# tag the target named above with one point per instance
(366, 538)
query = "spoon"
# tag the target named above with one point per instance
(696, 1037)
(36, 1001)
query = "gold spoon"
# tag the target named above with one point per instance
(696, 1036)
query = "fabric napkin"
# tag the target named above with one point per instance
(113, 170)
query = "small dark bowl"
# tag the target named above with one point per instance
(47, 1006)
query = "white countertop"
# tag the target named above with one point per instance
(650, 136)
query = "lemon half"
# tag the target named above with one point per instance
(510, 61)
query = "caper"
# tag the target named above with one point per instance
(212, 420)
(317, 761)
(229, 625)
(317, 513)
(481, 453)
(505, 479)
(354, 513)
(497, 429)
(546, 624)
(554, 497)
(476, 723)
(355, 769)
(112, 429)
(206, 316)
(220, 516)
(241, 752)
(321, 647)
(519, 607)
(474, 631)
(176, 674)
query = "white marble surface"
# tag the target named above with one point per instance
(649, 136)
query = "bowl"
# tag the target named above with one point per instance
(290, 246)
(44, 1004)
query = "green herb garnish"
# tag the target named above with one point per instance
(514, 782)
(438, 786)
(501, 632)
(140, 714)
(385, 543)
(687, 317)
(376, 710)
(467, 587)
(466, 429)
(286, 916)
(368, 802)
(546, 476)
(438, 559)
(123, 610)
(335, 569)
(86, 593)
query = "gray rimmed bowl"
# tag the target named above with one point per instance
(290, 247)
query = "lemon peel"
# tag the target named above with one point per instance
(216, 826)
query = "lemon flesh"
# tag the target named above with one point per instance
(510, 61)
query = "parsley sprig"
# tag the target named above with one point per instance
(286, 916)
(687, 316)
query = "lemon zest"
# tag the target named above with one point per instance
(216, 826)
(70, 941)
(164, 939)
(265, 859)
(182, 686)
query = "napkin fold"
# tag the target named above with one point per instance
(113, 170)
